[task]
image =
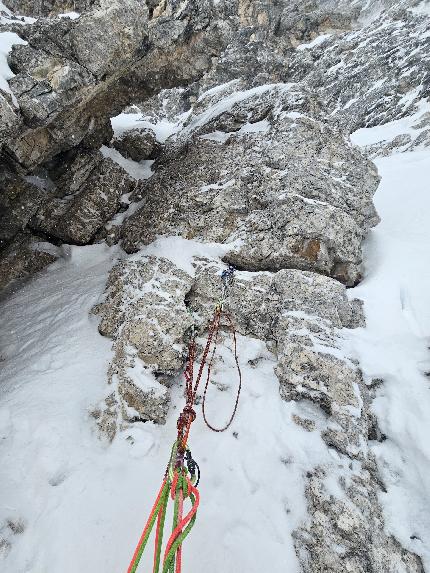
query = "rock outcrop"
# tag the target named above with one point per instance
(257, 100)
(254, 170)
(87, 195)
(73, 74)
(49, 7)
(145, 315)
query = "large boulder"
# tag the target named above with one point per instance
(144, 313)
(137, 144)
(252, 169)
(75, 73)
(24, 256)
(85, 198)
(19, 201)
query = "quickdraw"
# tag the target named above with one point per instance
(182, 475)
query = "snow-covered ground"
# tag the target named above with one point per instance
(395, 344)
(7, 40)
(70, 502)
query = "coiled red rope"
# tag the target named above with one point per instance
(177, 482)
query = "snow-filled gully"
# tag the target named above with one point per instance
(60, 483)
(70, 502)
(394, 346)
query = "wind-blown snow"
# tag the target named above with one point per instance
(163, 129)
(3, 8)
(70, 15)
(315, 42)
(422, 8)
(136, 169)
(6, 17)
(394, 346)
(181, 251)
(388, 131)
(226, 103)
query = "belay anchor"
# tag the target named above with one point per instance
(183, 474)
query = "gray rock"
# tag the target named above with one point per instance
(81, 209)
(48, 7)
(10, 121)
(371, 76)
(145, 314)
(137, 144)
(242, 185)
(268, 171)
(49, 83)
(348, 534)
(75, 74)
(110, 36)
(22, 258)
(19, 200)
(300, 315)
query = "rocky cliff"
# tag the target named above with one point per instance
(224, 125)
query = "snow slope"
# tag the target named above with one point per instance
(70, 502)
(394, 346)
(90, 500)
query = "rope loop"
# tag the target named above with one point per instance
(182, 474)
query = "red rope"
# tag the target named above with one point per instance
(188, 415)
(186, 418)
(185, 520)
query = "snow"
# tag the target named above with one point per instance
(71, 15)
(218, 89)
(394, 346)
(63, 484)
(218, 136)
(90, 499)
(422, 9)
(136, 169)
(182, 251)
(315, 42)
(262, 126)
(225, 104)
(8, 17)
(7, 40)
(388, 131)
(163, 129)
(3, 8)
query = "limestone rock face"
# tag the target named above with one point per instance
(357, 81)
(60, 71)
(259, 99)
(48, 7)
(91, 200)
(24, 256)
(109, 37)
(300, 315)
(145, 315)
(137, 144)
(353, 525)
(75, 73)
(19, 200)
(263, 174)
